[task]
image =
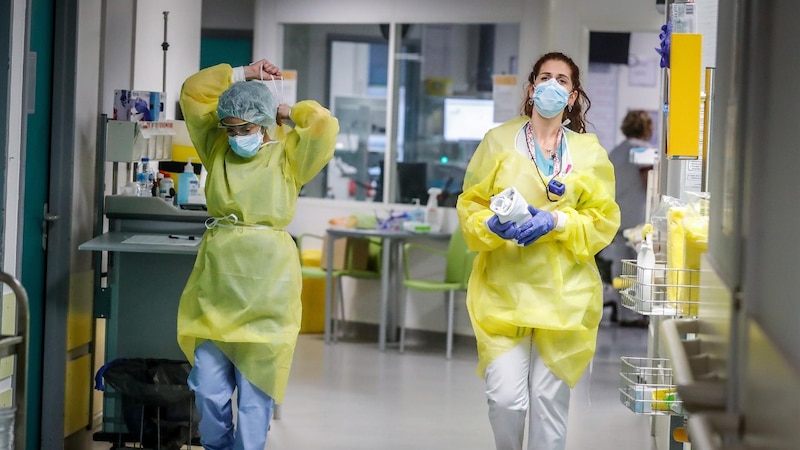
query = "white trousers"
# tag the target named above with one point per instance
(518, 383)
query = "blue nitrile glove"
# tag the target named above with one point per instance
(505, 230)
(540, 224)
(142, 108)
(665, 43)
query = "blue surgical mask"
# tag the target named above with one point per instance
(246, 146)
(550, 98)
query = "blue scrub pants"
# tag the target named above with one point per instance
(213, 379)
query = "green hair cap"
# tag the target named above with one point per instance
(251, 101)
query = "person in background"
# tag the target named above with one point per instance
(631, 187)
(535, 295)
(239, 314)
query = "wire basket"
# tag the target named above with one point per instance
(646, 387)
(7, 416)
(660, 290)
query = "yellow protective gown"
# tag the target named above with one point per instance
(552, 287)
(244, 290)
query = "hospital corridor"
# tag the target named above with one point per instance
(350, 396)
(399, 225)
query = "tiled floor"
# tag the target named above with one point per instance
(350, 396)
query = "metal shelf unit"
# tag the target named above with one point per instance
(12, 418)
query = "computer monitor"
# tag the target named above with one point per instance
(412, 181)
(467, 119)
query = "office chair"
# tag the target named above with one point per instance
(458, 268)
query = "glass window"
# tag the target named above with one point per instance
(442, 102)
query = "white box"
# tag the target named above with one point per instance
(124, 141)
(128, 141)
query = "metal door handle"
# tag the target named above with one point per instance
(47, 217)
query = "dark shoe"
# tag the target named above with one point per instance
(638, 323)
(613, 305)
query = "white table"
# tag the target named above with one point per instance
(391, 268)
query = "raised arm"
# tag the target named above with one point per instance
(310, 145)
(200, 94)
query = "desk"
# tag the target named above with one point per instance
(144, 284)
(146, 277)
(391, 264)
(140, 304)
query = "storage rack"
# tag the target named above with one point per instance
(16, 345)
(659, 290)
(647, 385)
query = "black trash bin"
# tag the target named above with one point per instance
(157, 405)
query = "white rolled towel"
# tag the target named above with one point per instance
(509, 205)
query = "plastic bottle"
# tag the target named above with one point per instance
(145, 179)
(432, 213)
(157, 184)
(417, 214)
(188, 184)
(645, 267)
(166, 189)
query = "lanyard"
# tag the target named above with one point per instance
(551, 166)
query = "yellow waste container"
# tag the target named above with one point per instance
(313, 296)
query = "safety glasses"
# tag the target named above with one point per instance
(242, 129)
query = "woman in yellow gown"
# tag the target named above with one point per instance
(535, 295)
(239, 315)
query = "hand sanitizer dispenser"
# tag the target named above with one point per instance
(188, 185)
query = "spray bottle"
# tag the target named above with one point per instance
(645, 267)
(432, 214)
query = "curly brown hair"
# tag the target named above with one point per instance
(577, 114)
(637, 124)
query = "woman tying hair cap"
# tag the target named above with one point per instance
(239, 315)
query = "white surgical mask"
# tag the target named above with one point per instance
(246, 146)
(550, 98)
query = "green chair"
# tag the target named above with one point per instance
(459, 266)
(373, 271)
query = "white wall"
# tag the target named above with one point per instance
(224, 14)
(118, 57)
(183, 55)
(12, 241)
(88, 50)
(617, 88)
(133, 58)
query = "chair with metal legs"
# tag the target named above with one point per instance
(458, 268)
(372, 272)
